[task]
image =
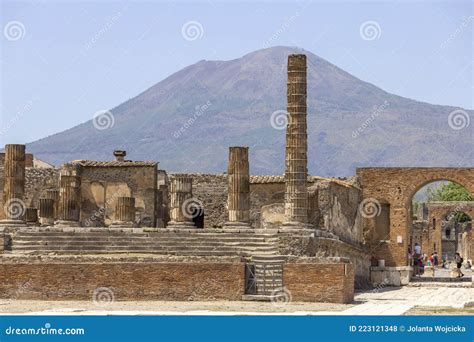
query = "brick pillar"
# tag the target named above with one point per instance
(69, 196)
(296, 173)
(54, 195)
(181, 202)
(124, 213)
(46, 211)
(238, 200)
(14, 207)
(31, 216)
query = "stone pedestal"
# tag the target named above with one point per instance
(181, 203)
(14, 207)
(124, 213)
(296, 173)
(238, 200)
(69, 196)
(46, 211)
(54, 195)
(391, 276)
(31, 216)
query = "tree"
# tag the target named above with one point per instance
(452, 192)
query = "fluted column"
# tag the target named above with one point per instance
(296, 173)
(54, 195)
(14, 207)
(69, 195)
(46, 211)
(31, 216)
(181, 202)
(238, 197)
(124, 212)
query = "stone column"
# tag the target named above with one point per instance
(69, 195)
(14, 207)
(296, 173)
(54, 195)
(238, 178)
(181, 202)
(31, 216)
(46, 211)
(124, 213)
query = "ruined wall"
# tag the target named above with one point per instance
(37, 181)
(338, 210)
(101, 186)
(330, 247)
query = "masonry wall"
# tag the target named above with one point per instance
(37, 182)
(101, 186)
(316, 282)
(128, 281)
(338, 210)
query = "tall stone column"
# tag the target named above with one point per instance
(124, 213)
(46, 211)
(181, 202)
(296, 173)
(238, 200)
(54, 195)
(69, 195)
(14, 207)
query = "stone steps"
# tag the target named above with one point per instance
(167, 242)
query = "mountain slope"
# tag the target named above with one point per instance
(188, 120)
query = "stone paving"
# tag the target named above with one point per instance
(387, 301)
(397, 301)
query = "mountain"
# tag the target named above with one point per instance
(188, 120)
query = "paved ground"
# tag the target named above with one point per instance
(387, 301)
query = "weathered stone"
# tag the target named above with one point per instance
(54, 195)
(238, 201)
(31, 216)
(124, 212)
(14, 206)
(296, 173)
(46, 211)
(182, 209)
(69, 195)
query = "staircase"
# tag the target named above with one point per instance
(202, 243)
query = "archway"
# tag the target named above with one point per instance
(397, 186)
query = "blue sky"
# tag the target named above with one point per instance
(62, 61)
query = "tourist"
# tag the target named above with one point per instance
(435, 259)
(458, 259)
(417, 260)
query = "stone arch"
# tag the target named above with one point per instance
(397, 185)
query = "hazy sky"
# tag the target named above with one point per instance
(62, 61)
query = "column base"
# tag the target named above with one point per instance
(67, 223)
(123, 224)
(12, 223)
(181, 225)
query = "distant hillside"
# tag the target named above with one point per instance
(188, 120)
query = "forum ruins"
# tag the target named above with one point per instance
(141, 233)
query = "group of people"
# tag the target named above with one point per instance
(418, 260)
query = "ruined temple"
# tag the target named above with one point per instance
(149, 234)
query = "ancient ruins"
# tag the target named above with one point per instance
(130, 227)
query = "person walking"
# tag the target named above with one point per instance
(459, 260)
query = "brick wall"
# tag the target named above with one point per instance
(127, 281)
(314, 282)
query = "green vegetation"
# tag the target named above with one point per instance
(446, 192)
